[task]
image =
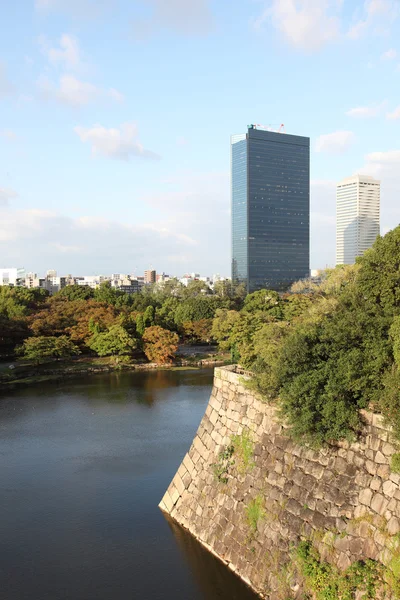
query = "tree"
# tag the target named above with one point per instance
(222, 325)
(160, 345)
(197, 308)
(114, 342)
(198, 331)
(165, 316)
(39, 348)
(265, 301)
(75, 292)
(12, 333)
(108, 294)
(140, 324)
(148, 316)
(16, 302)
(196, 288)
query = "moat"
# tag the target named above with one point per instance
(84, 465)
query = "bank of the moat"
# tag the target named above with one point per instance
(16, 373)
(249, 494)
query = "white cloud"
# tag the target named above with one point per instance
(6, 87)
(194, 207)
(395, 114)
(366, 111)
(67, 55)
(385, 165)
(334, 143)
(37, 238)
(10, 135)
(7, 194)
(119, 143)
(389, 55)
(74, 92)
(377, 19)
(185, 17)
(305, 24)
(383, 159)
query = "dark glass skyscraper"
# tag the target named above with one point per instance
(270, 179)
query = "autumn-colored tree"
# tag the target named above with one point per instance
(198, 331)
(96, 316)
(55, 317)
(160, 345)
(61, 316)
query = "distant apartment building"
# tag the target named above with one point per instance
(12, 276)
(270, 193)
(92, 281)
(150, 276)
(357, 217)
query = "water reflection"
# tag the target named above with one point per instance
(214, 582)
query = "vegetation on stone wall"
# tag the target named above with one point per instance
(327, 350)
(326, 582)
(255, 513)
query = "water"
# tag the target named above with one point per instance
(83, 465)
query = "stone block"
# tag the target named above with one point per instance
(380, 458)
(379, 503)
(383, 471)
(393, 526)
(389, 488)
(365, 496)
(376, 484)
(388, 449)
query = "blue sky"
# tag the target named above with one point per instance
(115, 119)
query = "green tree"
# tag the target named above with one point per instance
(40, 348)
(149, 315)
(12, 333)
(106, 293)
(197, 308)
(140, 324)
(165, 316)
(160, 345)
(195, 288)
(222, 325)
(75, 292)
(114, 342)
(264, 301)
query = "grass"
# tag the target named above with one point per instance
(395, 463)
(244, 451)
(255, 512)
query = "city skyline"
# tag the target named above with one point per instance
(117, 153)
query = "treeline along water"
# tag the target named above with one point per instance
(83, 467)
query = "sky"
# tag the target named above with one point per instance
(116, 116)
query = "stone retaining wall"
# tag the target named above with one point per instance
(344, 497)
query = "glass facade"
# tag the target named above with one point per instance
(239, 207)
(270, 209)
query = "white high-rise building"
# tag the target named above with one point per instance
(357, 217)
